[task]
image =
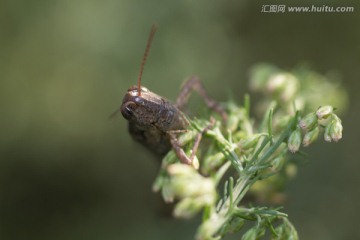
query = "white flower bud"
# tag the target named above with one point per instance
(308, 122)
(336, 130)
(294, 141)
(311, 136)
(324, 112)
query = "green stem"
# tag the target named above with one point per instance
(270, 125)
(281, 139)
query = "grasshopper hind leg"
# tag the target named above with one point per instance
(195, 84)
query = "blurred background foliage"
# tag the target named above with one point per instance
(67, 172)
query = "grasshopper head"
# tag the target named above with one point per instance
(140, 109)
(151, 110)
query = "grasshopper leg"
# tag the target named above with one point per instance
(179, 151)
(194, 84)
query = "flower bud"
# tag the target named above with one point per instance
(308, 122)
(212, 162)
(291, 170)
(282, 121)
(209, 227)
(181, 170)
(250, 141)
(311, 136)
(193, 190)
(187, 208)
(259, 75)
(278, 163)
(186, 137)
(236, 115)
(195, 163)
(327, 135)
(185, 181)
(277, 82)
(324, 112)
(294, 141)
(290, 89)
(336, 130)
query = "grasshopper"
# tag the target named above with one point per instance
(154, 120)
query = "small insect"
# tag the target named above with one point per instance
(154, 121)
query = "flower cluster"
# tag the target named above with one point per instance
(242, 151)
(193, 190)
(309, 127)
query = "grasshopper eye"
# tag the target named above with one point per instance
(144, 89)
(127, 109)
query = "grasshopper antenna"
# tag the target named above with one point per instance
(151, 36)
(114, 114)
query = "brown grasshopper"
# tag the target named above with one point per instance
(154, 121)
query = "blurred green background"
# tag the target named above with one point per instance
(68, 172)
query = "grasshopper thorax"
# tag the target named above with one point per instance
(150, 109)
